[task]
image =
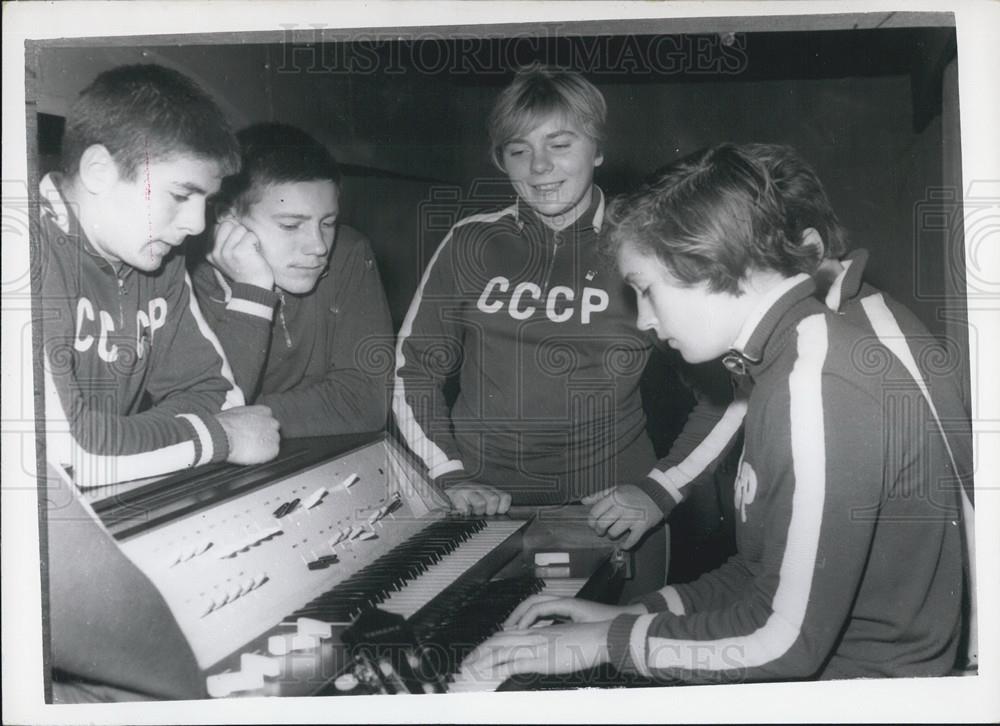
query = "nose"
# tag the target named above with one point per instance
(645, 319)
(192, 217)
(314, 242)
(540, 162)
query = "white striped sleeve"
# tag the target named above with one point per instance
(703, 649)
(437, 460)
(675, 479)
(891, 335)
(234, 395)
(92, 469)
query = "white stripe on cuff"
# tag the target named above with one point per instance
(204, 436)
(258, 310)
(445, 467)
(664, 479)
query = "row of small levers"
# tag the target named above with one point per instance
(345, 534)
(213, 602)
(314, 498)
(240, 544)
(234, 592)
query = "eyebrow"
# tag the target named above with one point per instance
(303, 217)
(550, 135)
(192, 188)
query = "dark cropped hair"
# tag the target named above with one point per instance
(806, 203)
(537, 91)
(143, 113)
(710, 217)
(274, 153)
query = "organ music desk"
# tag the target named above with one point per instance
(334, 569)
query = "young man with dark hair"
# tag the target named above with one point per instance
(136, 383)
(293, 294)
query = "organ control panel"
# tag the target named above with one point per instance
(272, 573)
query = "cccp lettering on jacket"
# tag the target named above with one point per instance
(98, 327)
(559, 305)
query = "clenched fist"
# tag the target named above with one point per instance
(252, 432)
(475, 498)
(236, 252)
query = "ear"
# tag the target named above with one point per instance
(98, 170)
(812, 238)
(598, 158)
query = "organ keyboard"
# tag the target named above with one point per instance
(561, 587)
(410, 599)
(273, 573)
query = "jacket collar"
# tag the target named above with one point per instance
(847, 285)
(594, 214)
(748, 349)
(54, 208)
(53, 205)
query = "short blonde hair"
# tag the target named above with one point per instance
(537, 91)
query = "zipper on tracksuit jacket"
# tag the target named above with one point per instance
(556, 243)
(121, 294)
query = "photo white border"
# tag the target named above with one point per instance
(949, 699)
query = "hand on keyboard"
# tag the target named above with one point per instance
(540, 607)
(478, 499)
(550, 651)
